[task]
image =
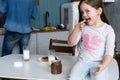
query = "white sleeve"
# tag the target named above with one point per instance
(110, 42)
(78, 38)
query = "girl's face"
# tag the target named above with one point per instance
(90, 14)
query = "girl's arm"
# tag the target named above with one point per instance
(106, 60)
(109, 51)
(72, 38)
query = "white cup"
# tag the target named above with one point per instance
(51, 56)
(26, 54)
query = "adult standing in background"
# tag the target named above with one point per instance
(17, 24)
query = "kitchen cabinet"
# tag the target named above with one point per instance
(33, 43)
(39, 41)
(43, 40)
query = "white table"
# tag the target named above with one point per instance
(33, 69)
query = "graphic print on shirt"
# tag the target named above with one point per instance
(91, 42)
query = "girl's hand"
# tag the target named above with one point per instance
(99, 69)
(79, 25)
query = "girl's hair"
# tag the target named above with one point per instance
(96, 4)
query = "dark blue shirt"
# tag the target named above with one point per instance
(19, 14)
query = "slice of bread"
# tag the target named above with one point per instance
(44, 59)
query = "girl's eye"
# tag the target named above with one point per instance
(87, 11)
(82, 12)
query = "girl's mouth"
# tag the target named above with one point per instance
(88, 19)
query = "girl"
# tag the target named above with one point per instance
(95, 39)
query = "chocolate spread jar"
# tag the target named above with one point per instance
(56, 67)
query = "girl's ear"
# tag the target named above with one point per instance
(99, 11)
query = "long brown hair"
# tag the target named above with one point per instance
(96, 4)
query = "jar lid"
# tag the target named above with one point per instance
(53, 61)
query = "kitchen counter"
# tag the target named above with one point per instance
(48, 31)
(34, 31)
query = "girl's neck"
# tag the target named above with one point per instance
(99, 23)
